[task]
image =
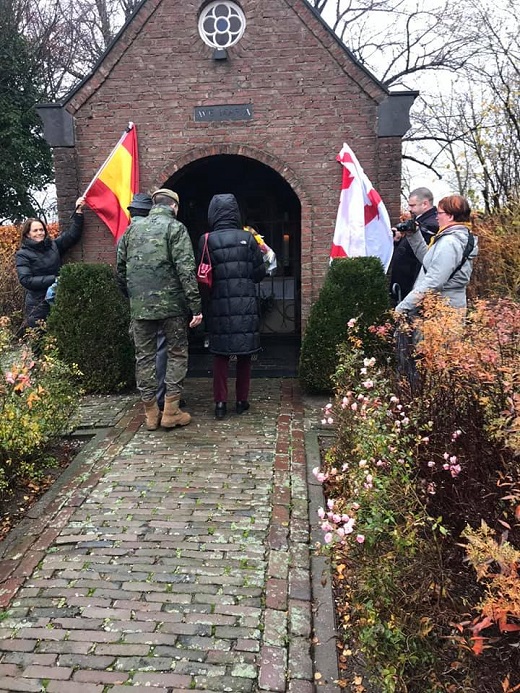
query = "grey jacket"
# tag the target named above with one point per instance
(438, 262)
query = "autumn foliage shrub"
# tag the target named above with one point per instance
(38, 400)
(411, 481)
(496, 270)
(497, 565)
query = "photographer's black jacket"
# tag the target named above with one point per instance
(405, 266)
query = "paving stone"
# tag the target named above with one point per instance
(43, 672)
(17, 684)
(276, 594)
(162, 679)
(278, 564)
(67, 687)
(100, 677)
(275, 628)
(24, 659)
(300, 618)
(273, 669)
(300, 662)
(299, 584)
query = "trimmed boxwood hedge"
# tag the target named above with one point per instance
(353, 288)
(90, 320)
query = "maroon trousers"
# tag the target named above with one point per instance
(220, 378)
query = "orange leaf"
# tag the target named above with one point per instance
(506, 627)
(481, 625)
(458, 626)
(506, 686)
(478, 645)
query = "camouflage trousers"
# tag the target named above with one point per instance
(144, 333)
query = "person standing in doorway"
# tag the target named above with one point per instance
(405, 265)
(234, 320)
(156, 264)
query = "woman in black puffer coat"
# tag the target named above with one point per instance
(38, 261)
(233, 322)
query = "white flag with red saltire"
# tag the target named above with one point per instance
(362, 224)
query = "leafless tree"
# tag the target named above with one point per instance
(399, 39)
(466, 125)
(473, 133)
(71, 35)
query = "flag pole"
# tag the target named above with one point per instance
(107, 160)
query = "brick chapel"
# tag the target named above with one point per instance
(252, 97)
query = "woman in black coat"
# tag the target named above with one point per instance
(233, 322)
(38, 261)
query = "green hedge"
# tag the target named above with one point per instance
(90, 321)
(353, 288)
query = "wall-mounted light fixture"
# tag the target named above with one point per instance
(220, 54)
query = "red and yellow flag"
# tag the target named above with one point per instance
(112, 188)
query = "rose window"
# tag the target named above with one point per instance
(221, 24)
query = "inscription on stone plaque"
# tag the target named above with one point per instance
(228, 112)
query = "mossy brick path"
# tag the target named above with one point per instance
(169, 561)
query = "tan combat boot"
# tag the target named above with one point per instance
(152, 414)
(172, 415)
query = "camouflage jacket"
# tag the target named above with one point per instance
(156, 267)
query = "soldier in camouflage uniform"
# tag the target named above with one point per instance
(156, 267)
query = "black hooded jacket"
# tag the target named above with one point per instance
(405, 266)
(38, 264)
(233, 321)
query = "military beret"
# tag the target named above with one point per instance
(167, 193)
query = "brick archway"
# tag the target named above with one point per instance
(174, 170)
(239, 150)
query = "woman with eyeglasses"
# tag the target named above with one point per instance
(447, 261)
(39, 259)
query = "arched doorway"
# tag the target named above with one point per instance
(269, 203)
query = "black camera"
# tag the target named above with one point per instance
(408, 226)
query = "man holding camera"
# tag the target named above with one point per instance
(405, 266)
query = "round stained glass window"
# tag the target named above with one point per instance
(221, 24)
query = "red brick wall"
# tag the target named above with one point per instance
(308, 98)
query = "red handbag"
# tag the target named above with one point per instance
(205, 270)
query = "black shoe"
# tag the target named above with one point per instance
(242, 407)
(220, 410)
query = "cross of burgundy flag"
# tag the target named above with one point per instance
(362, 224)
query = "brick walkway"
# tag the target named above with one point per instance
(173, 560)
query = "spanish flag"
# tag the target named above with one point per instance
(112, 188)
